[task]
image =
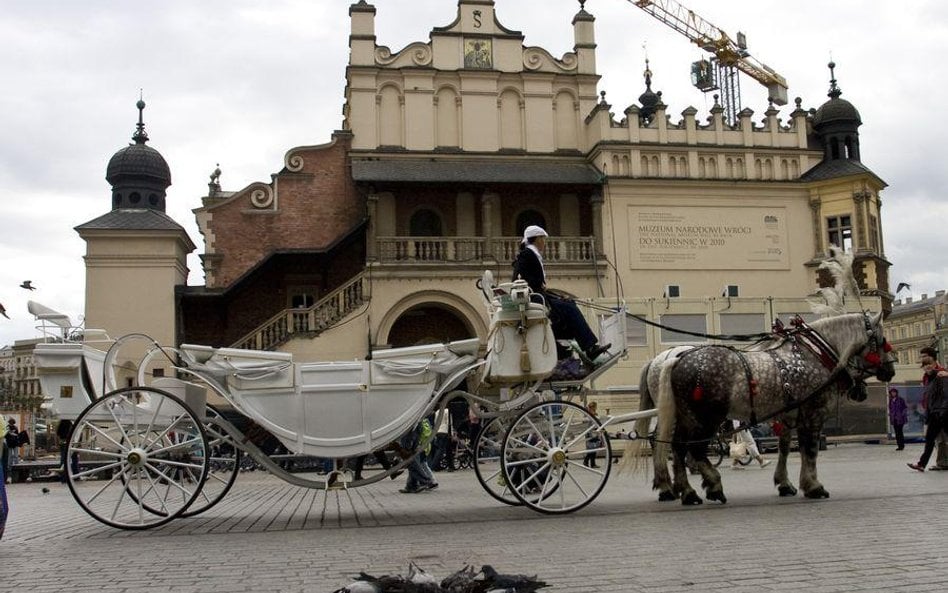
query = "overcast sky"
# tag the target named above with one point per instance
(239, 82)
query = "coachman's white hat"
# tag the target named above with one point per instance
(533, 231)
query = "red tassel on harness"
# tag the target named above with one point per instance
(873, 359)
(697, 393)
(886, 347)
(753, 387)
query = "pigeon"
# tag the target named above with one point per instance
(45, 490)
(512, 583)
(460, 582)
(3, 311)
(28, 284)
(366, 583)
(420, 576)
(901, 286)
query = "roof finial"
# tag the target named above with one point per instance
(834, 91)
(582, 5)
(648, 75)
(140, 136)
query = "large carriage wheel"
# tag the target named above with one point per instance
(542, 457)
(223, 467)
(142, 456)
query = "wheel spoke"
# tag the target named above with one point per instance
(104, 434)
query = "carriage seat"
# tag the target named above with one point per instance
(262, 368)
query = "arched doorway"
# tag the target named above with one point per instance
(428, 323)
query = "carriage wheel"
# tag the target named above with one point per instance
(542, 458)
(224, 465)
(142, 457)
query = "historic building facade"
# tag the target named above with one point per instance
(449, 147)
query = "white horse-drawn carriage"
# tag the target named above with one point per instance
(144, 454)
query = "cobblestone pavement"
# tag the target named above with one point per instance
(883, 529)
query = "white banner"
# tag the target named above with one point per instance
(708, 238)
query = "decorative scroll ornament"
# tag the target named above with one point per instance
(294, 163)
(262, 197)
(537, 58)
(418, 52)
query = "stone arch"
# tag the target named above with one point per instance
(511, 118)
(447, 117)
(390, 103)
(564, 114)
(447, 307)
(528, 216)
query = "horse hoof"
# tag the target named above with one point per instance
(787, 491)
(817, 493)
(691, 499)
(665, 496)
(717, 495)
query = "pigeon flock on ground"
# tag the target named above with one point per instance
(466, 580)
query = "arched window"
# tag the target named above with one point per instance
(528, 217)
(425, 223)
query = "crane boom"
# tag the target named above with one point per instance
(715, 41)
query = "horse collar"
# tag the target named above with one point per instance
(815, 343)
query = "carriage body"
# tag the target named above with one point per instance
(334, 410)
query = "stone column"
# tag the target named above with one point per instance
(371, 234)
(860, 203)
(815, 205)
(488, 204)
(596, 201)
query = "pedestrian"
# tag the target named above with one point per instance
(11, 441)
(593, 440)
(63, 432)
(442, 451)
(420, 477)
(744, 440)
(898, 416)
(567, 320)
(936, 398)
(929, 356)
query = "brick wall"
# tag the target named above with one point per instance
(313, 208)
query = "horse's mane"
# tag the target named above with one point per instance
(847, 332)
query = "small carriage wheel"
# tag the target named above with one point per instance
(542, 457)
(142, 458)
(223, 467)
(718, 449)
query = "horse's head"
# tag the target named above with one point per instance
(875, 359)
(862, 349)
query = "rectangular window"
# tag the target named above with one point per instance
(158, 372)
(874, 233)
(696, 323)
(840, 231)
(742, 323)
(635, 332)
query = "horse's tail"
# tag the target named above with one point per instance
(633, 460)
(667, 413)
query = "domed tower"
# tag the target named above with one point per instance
(649, 99)
(837, 123)
(138, 173)
(845, 196)
(135, 254)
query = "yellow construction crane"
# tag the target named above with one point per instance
(730, 56)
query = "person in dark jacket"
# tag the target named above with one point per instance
(936, 396)
(898, 416)
(568, 322)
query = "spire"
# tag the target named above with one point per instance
(140, 136)
(834, 91)
(649, 99)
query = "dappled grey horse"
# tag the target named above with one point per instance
(790, 377)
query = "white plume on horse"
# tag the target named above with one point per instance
(840, 267)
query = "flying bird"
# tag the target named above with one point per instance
(3, 311)
(28, 284)
(901, 286)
